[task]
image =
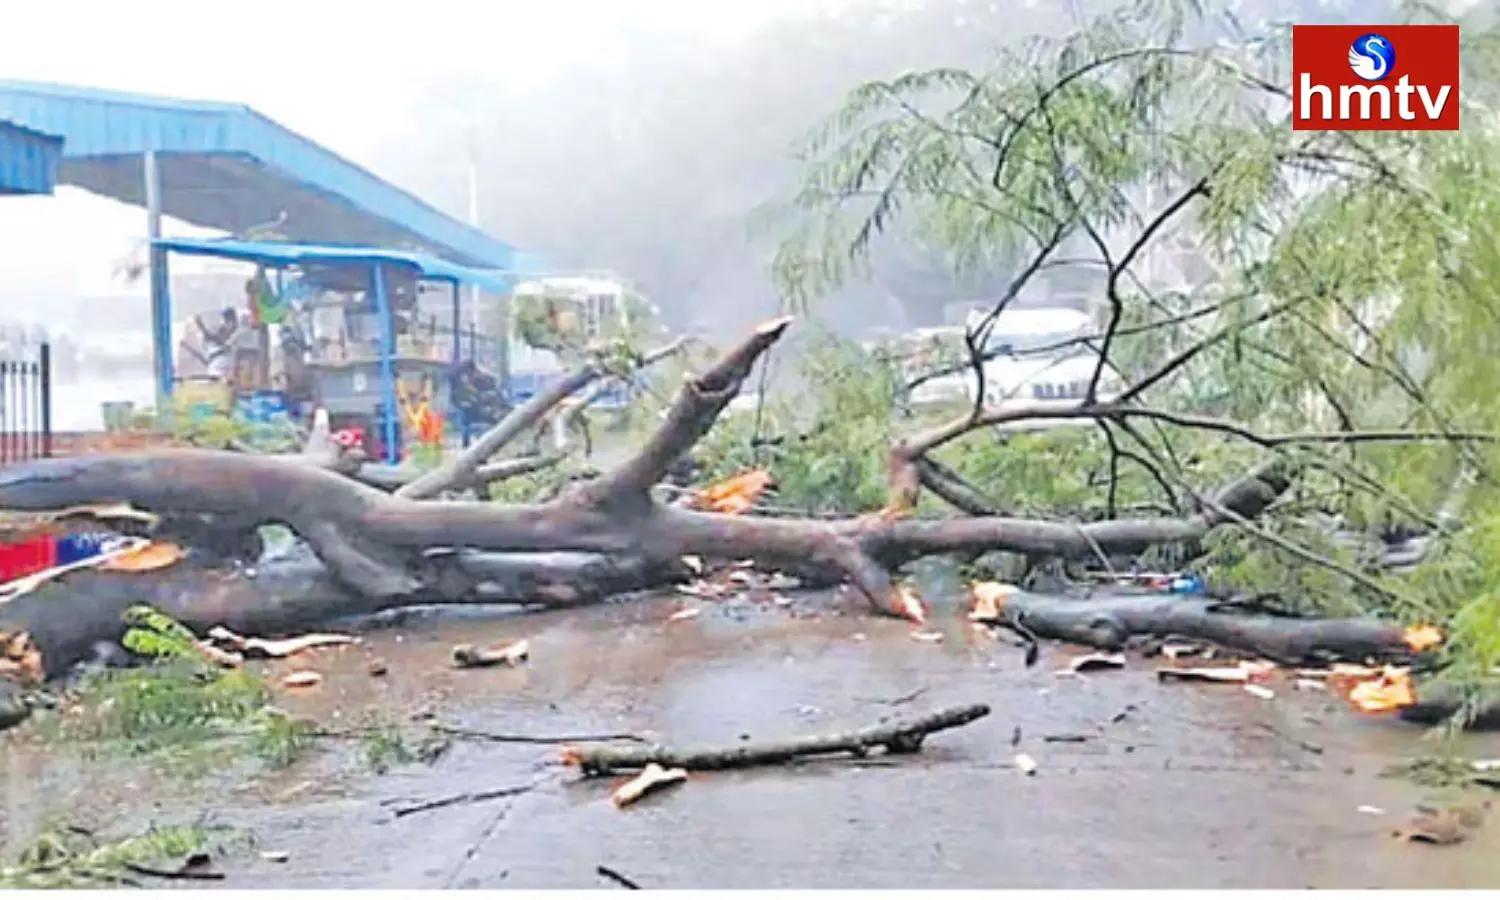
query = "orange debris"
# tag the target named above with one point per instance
(20, 659)
(153, 556)
(909, 605)
(1390, 690)
(1422, 637)
(735, 495)
(988, 597)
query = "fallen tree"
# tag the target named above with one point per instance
(603, 537)
(1276, 371)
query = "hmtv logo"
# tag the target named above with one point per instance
(1375, 77)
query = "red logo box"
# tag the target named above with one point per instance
(1399, 78)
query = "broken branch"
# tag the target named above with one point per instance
(897, 737)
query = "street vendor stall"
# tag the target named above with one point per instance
(373, 336)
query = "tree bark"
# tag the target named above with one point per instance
(1108, 622)
(384, 550)
(902, 736)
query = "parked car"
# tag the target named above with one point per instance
(1033, 356)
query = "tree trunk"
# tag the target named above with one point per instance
(381, 550)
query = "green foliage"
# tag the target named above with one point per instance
(828, 455)
(1342, 283)
(554, 320)
(386, 744)
(425, 457)
(383, 746)
(72, 858)
(181, 710)
(159, 636)
(220, 430)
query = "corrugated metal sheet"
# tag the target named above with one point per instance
(281, 253)
(223, 165)
(28, 160)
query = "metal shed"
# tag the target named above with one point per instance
(226, 166)
(28, 160)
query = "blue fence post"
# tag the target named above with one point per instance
(387, 365)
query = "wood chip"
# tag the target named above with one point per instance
(988, 597)
(683, 614)
(1371, 810)
(150, 558)
(1241, 674)
(909, 604)
(1443, 827)
(20, 659)
(276, 649)
(695, 563)
(302, 678)
(1351, 670)
(1025, 764)
(929, 637)
(1093, 662)
(220, 657)
(1177, 651)
(1309, 684)
(652, 778)
(1261, 691)
(275, 856)
(467, 656)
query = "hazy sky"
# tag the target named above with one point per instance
(340, 72)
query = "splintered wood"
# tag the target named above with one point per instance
(150, 558)
(908, 603)
(1391, 689)
(1421, 638)
(1243, 673)
(468, 656)
(302, 679)
(652, 778)
(734, 496)
(20, 659)
(254, 647)
(988, 597)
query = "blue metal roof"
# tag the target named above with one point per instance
(28, 160)
(281, 254)
(226, 166)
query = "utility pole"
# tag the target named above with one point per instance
(474, 221)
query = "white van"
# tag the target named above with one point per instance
(1035, 356)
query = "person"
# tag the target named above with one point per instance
(218, 341)
(298, 380)
(328, 324)
(192, 356)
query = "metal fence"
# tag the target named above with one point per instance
(25, 401)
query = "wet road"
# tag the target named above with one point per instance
(1159, 785)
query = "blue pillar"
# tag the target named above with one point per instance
(387, 365)
(463, 417)
(161, 298)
